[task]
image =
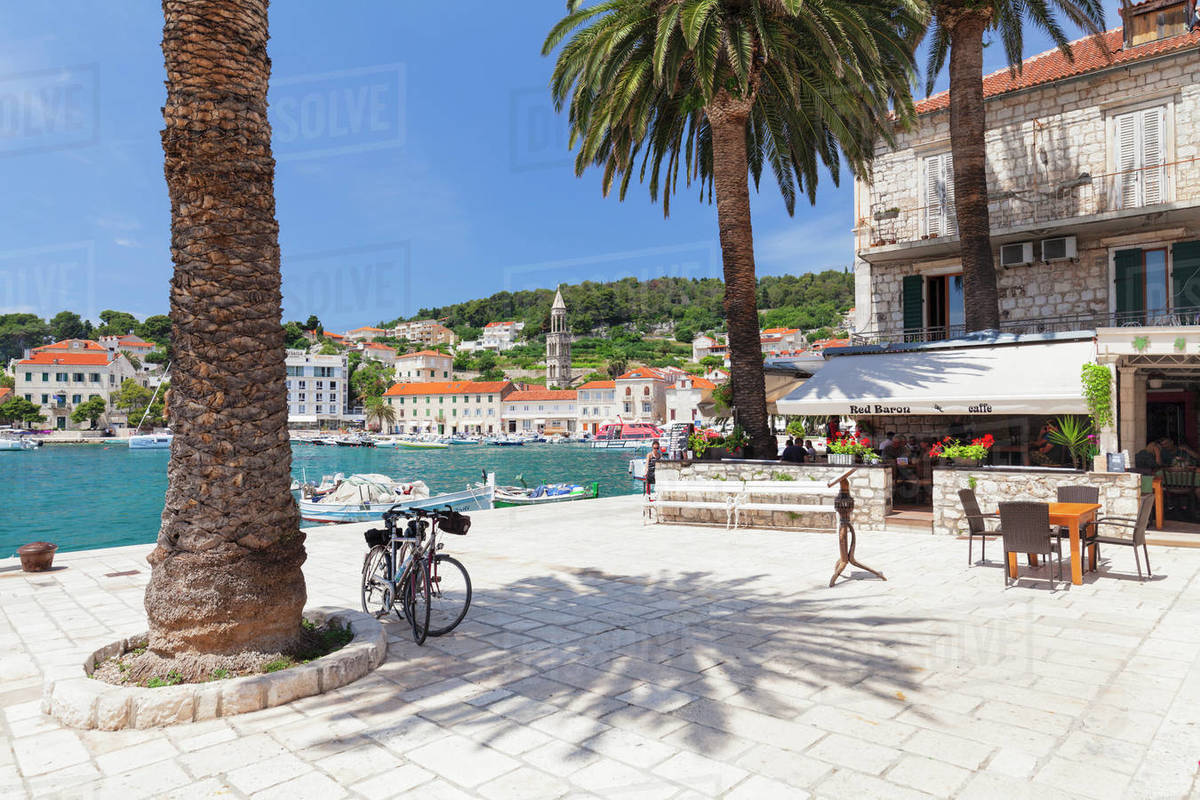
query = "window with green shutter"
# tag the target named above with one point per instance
(1185, 274)
(913, 297)
(1129, 286)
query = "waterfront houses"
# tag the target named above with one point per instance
(642, 395)
(683, 399)
(781, 341)
(317, 388)
(704, 345)
(597, 405)
(539, 410)
(424, 366)
(448, 406)
(60, 376)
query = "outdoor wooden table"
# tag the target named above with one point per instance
(1074, 517)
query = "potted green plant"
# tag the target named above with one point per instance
(735, 441)
(845, 450)
(1076, 435)
(698, 444)
(887, 213)
(966, 455)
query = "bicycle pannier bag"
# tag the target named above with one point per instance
(456, 523)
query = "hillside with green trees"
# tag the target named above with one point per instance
(689, 305)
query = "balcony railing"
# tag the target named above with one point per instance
(1067, 199)
(1176, 317)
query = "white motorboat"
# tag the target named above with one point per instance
(364, 498)
(159, 440)
(14, 444)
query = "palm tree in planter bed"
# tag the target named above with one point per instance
(226, 575)
(957, 29)
(725, 88)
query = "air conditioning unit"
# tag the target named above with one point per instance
(1017, 254)
(1061, 248)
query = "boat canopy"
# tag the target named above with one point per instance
(373, 488)
(1026, 378)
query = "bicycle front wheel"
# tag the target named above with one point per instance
(376, 582)
(416, 600)
(449, 594)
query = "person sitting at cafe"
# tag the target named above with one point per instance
(896, 448)
(809, 450)
(792, 453)
(1169, 454)
(887, 442)
(1042, 451)
(1146, 460)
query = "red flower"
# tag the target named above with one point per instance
(865, 441)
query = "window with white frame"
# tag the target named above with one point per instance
(939, 196)
(1140, 156)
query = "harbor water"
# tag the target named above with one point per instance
(87, 496)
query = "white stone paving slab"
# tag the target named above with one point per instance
(606, 658)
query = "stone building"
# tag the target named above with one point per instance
(558, 346)
(61, 376)
(1094, 193)
(1093, 170)
(448, 406)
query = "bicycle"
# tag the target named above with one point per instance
(435, 589)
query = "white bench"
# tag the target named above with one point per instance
(737, 496)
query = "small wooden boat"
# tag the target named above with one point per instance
(510, 496)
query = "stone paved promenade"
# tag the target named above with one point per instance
(601, 658)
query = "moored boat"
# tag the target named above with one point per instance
(364, 498)
(420, 444)
(159, 440)
(510, 496)
(15, 444)
(626, 436)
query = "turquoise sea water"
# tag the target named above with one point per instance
(87, 496)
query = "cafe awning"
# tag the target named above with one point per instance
(1027, 378)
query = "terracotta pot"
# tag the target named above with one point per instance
(37, 556)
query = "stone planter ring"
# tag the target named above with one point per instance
(77, 700)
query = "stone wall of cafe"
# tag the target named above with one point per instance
(1119, 491)
(871, 488)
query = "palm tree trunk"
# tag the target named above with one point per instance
(727, 118)
(981, 304)
(226, 572)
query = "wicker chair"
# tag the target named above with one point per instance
(1138, 525)
(1025, 528)
(976, 524)
(1080, 494)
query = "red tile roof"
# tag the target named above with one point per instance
(498, 324)
(4, 393)
(426, 353)
(47, 358)
(702, 383)
(66, 344)
(528, 395)
(599, 385)
(330, 335)
(447, 387)
(642, 373)
(781, 330)
(366, 328)
(1052, 65)
(378, 346)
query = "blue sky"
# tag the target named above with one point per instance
(420, 163)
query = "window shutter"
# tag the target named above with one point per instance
(1153, 155)
(1185, 273)
(948, 209)
(1125, 131)
(933, 226)
(914, 296)
(1129, 285)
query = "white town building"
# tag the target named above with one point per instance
(424, 366)
(59, 377)
(317, 387)
(598, 406)
(501, 335)
(538, 410)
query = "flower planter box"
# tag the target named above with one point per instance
(842, 459)
(716, 454)
(889, 214)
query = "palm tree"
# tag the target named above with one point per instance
(725, 88)
(957, 29)
(379, 413)
(226, 574)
